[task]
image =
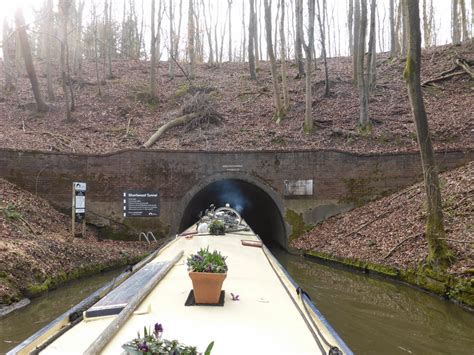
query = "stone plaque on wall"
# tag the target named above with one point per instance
(299, 187)
(141, 204)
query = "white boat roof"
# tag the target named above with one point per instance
(266, 319)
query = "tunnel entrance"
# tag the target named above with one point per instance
(254, 204)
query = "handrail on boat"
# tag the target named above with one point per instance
(101, 341)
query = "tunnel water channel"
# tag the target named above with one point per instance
(372, 315)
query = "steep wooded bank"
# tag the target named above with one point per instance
(124, 116)
(388, 236)
(37, 252)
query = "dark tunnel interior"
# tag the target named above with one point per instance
(255, 206)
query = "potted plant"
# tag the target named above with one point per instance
(151, 343)
(207, 271)
(217, 227)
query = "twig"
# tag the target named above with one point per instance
(401, 243)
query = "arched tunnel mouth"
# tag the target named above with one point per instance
(254, 205)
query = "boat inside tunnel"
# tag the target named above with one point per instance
(254, 204)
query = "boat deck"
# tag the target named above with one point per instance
(266, 320)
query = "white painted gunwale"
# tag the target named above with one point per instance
(266, 320)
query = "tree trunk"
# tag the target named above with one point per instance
(30, 68)
(405, 33)
(78, 49)
(439, 255)
(208, 31)
(176, 46)
(171, 48)
(464, 20)
(455, 30)
(280, 112)
(426, 26)
(322, 35)
(49, 30)
(371, 58)
(7, 63)
(229, 2)
(393, 33)
(252, 64)
(256, 31)
(63, 7)
(350, 24)
(355, 57)
(299, 38)
(361, 78)
(308, 116)
(190, 44)
(244, 34)
(153, 52)
(284, 75)
(96, 49)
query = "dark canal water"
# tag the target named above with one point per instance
(373, 316)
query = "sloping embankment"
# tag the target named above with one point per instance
(37, 252)
(387, 236)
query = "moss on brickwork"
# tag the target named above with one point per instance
(458, 289)
(296, 221)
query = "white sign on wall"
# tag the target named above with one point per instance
(298, 187)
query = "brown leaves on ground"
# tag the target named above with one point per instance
(35, 244)
(125, 116)
(376, 231)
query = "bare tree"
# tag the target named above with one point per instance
(252, 26)
(371, 58)
(178, 36)
(190, 44)
(284, 75)
(350, 24)
(30, 68)
(208, 31)
(322, 36)
(361, 78)
(308, 116)
(153, 52)
(355, 57)
(439, 255)
(280, 111)
(464, 20)
(393, 32)
(64, 7)
(96, 49)
(455, 26)
(299, 38)
(171, 45)
(229, 4)
(7, 62)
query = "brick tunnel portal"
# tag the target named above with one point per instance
(255, 205)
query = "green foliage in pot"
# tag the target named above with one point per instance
(205, 261)
(217, 227)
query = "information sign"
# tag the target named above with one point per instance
(298, 187)
(141, 204)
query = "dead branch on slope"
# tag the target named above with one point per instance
(197, 111)
(461, 67)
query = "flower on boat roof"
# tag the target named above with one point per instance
(158, 330)
(143, 347)
(150, 344)
(206, 261)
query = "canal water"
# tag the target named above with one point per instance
(20, 324)
(373, 316)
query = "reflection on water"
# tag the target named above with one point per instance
(374, 316)
(20, 324)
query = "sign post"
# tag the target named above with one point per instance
(78, 206)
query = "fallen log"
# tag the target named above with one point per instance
(181, 120)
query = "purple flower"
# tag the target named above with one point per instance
(143, 347)
(209, 268)
(158, 330)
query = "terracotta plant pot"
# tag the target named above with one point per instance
(207, 286)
